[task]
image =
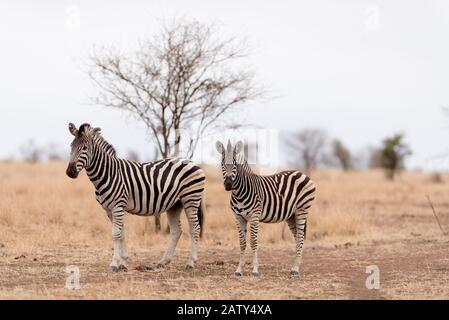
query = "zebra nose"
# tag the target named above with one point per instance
(71, 170)
(228, 184)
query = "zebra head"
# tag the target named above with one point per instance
(80, 148)
(229, 162)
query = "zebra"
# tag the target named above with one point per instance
(139, 188)
(285, 196)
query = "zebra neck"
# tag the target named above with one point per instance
(243, 167)
(103, 163)
(244, 179)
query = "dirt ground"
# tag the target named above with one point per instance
(411, 269)
(359, 220)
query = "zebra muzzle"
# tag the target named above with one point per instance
(228, 184)
(71, 171)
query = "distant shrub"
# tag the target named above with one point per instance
(436, 177)
(392, 154)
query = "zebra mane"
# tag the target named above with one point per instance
(242, 163)
(104, 145)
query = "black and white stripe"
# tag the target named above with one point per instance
(139, 188)
(285, 196)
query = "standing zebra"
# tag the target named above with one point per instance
(139, 188)
(285, 196)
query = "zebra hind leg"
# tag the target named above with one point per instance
(174, 223)
(192, 210)
(254, 229)
(297, 225)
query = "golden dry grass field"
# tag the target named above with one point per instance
(48, 221)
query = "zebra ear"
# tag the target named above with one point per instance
(219, 146)
(97, 130)
(238, 147)
(73, 130)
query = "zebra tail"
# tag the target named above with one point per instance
(201, 212)
(305, 230)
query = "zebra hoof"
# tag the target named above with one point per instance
(117, 269)
(122, 268)
(143, 267)
(255, 274)
(237, 274)
(294, 274)
(113, 269)
(146, 267)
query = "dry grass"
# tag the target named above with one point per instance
(48, 221)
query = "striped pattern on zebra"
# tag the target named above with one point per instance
(139, 188)
(285, 196)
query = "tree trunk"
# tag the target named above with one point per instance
(157, 217)
(157, 223)
(390, 174)
(177, 142)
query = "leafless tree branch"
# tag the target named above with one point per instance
(185, 77)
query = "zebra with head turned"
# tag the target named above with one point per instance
(285, 196)
(139, 188)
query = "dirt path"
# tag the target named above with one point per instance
(414, 268)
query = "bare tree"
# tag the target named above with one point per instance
(308, 146)
(342, 154)
(182, 80)
(53, 152)
(30, 152)
(374, 158)
(132, 155)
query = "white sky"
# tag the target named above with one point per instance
(333, 64)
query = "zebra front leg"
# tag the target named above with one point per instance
(241, 227)
(122, 248)
(297, 225)
(120, 252)
(254, 229)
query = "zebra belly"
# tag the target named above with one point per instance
(278, 208)
(265, 216)
(141, 214)
(273, 217)
(145, 211)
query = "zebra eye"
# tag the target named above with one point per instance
(84, 148)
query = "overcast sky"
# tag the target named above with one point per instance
(361, 70)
